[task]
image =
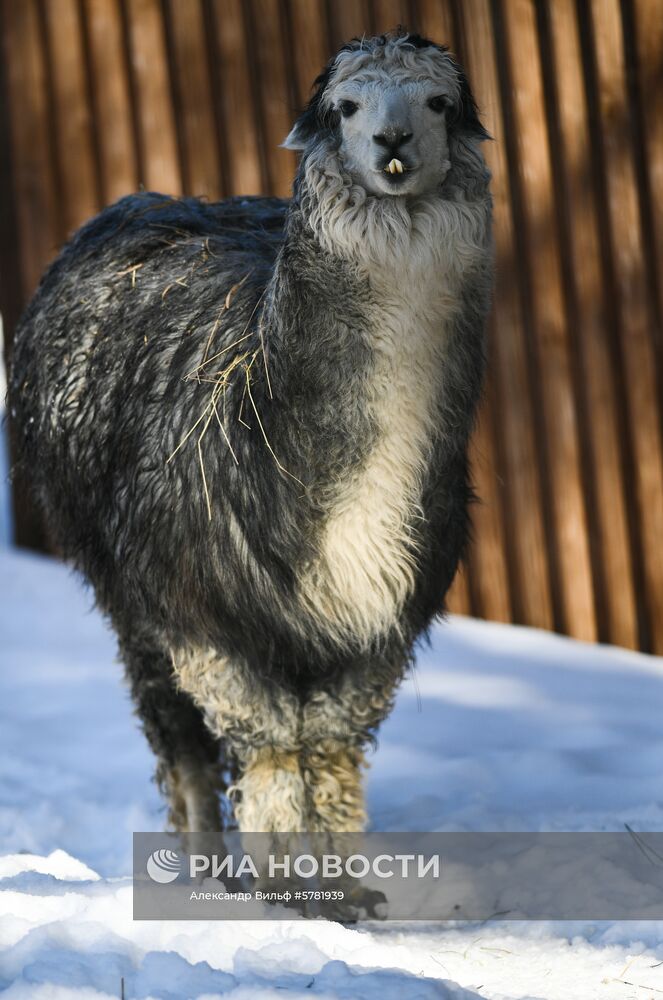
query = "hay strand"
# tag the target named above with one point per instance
(220, 380)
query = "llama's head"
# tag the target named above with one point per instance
(392, 107)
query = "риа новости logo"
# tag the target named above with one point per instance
(164, 866)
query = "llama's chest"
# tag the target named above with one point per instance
(367, 563)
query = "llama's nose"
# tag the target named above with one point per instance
(391, 137)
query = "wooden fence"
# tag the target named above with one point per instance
(98, 97)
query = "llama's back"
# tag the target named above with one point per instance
(116, 358)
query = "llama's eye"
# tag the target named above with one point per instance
(438, 104)
(347, 108)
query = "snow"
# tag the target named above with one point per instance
(501, 728)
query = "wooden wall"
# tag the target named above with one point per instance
(101, 96)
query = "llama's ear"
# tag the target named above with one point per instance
(463, 116)
(314, 119)
(293, 140)
(301, 133)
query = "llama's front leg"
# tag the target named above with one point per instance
(270, 795)
(332, 771)
(338, 722)
(259, 722)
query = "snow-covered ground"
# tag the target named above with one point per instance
(501, 729)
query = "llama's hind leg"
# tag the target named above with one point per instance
(189, 765)
(339, 720)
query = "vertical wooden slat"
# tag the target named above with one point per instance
(435, 21)
(389, 14)
(158, 154)
(30, 204)
(588, 294)
(72, 126)
(35, 191)
(647, 16)
(458, 600)
(558, 431)
(118, 167)
(348, 19)
(527, 553)
(488, 568)
(490, 586)
(11, 292)
(199, 158)
(276, 102)
(307, 21)
(240, 147)
(635, 320)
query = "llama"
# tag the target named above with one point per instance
(247, 425)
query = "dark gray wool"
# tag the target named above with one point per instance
(195, 523)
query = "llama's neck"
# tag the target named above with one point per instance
(422, 234)
(408, 260)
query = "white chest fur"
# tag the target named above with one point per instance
(367, 561)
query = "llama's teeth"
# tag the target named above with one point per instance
(395, 166)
